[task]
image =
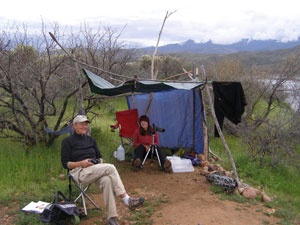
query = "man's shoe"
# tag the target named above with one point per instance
(112, 221)
(137, 163)
(135, 202)
(168, 166)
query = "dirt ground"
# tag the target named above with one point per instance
(189, 202)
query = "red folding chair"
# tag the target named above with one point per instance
(127, 122)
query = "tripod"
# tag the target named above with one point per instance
(152, 149)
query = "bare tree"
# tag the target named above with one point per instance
(270, 125)
(37, 80)
(102, 48)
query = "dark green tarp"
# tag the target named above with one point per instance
(100, 86)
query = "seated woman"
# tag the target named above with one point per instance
(142, 140)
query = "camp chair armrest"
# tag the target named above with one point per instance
(115, 126)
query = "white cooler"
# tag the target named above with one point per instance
(180, 165)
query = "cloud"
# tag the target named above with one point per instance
(222, 22)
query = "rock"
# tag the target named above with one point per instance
(210, 167)
(205, 168)
(249, 193)
(204, 172)
(223, 172)
(62, 176)
(227, 174)
(271, 211)
(258, 192)
(241, 189)
(266, 198)
(218, 167)
(204, 163)
(236, 191)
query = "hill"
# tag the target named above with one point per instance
(247, 58)
(209, 47)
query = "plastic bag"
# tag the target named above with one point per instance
(120, 153)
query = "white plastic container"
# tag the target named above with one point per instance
(120, 153)
(180, 165)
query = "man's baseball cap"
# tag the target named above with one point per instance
(80, 119)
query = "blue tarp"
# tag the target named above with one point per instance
(173, 110)
(64, 130)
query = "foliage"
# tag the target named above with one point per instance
(164, 65)
(269, 127)
(38, 82)
(33, 175)
(36, 171)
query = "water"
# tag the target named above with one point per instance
(292, 90)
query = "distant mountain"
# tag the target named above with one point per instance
(209, 47)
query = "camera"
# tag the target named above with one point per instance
(155, 128)
(94, 161)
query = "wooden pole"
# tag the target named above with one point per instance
(153, 76)
(220, 131)
(204, 126)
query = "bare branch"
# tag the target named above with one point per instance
(153, 76)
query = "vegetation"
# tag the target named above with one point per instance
(33, 175)
(38, 82)
(41, 87)
(280, 182)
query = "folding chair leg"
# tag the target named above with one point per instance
(122, 141)
(83, 195)
(126, 148)
(83, 201)
(79, 196)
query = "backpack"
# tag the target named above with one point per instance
(60, 211)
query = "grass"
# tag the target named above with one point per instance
(142, 215)
(281, 182)
(32, 174)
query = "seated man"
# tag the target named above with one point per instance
(142, 140)
(77, 152)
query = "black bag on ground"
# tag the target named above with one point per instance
(60, 210)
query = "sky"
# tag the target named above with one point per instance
(219, 21)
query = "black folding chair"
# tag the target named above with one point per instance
(83, 193)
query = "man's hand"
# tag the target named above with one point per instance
(85, 163)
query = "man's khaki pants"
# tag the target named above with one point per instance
(108, 180)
